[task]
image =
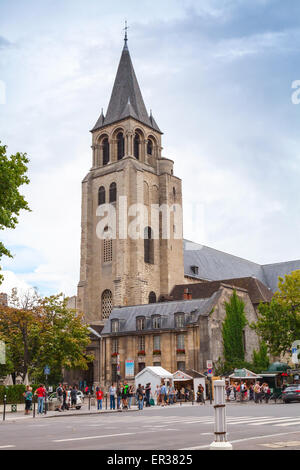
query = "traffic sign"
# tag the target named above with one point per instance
(209, 364)
(209, 372)
(47, 370)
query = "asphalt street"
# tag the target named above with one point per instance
(187, 427)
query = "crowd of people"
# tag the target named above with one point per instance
(244, 391)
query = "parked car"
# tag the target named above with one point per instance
(291, 393)
(53, 399)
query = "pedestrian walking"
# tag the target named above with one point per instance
(73, 396)
(112, 396)
(200, 394)
(41, 394)
(65, 398)
(163, 394)
(257, 393)
(99, 397)
(119, 395)
(147, 394)
(140, 396)
(157, 394)
(171, 394)
(28, 399)
(125, 391)
(59, 393)
(130, 395)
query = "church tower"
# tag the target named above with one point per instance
(121, 264)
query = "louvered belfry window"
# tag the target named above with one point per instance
(137, 146)
(107, 246)
(105, 144)
(152, 298)
(101, 195)
(113, 192)
(120, 146)
(106, 299)
(149, 147)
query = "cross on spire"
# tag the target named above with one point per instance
(126, 29)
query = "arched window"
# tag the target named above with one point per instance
(106, 303)
(148, 246)
(113, 192)
(105, 144)
(101, 195)
(152, 298)
(120, 146)
(137, 146)
(149, 147)
(107, 247)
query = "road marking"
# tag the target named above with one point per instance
(94, 437)
(242, 440)
(277, 445)
(7, 447)
(275, 420)
(288, 424)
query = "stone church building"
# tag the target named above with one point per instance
(150, 298)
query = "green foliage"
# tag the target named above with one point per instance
(278, 322)
(13, 171)
(44, 332)
(14, 393)
(232, 330)
(260, 358)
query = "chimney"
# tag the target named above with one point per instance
(187, 295)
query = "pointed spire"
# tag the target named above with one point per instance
(126, 99)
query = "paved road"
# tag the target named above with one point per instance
(250, 426)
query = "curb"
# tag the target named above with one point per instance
(89, 413)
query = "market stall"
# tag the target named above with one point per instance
(189, 382)
(245, 376)
(153, 375)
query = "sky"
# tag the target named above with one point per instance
(218, 77)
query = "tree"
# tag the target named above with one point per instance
(279, 321)
(13, 171)
(40, 332)
(260, 358)
(232, 331)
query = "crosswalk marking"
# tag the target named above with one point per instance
(288, 424)
(275, 420)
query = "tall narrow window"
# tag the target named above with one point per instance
(141, 343)
(113, 192)
(137, 146)
(152, 298)
(106, 301)
(156, 343)
(120, 146)
(156, 322)
(140, 323)
(105, 144)
(107, 246)
(101, 195)
(115, 345)
(148, 246)
(180, 342)
(115, 326)
(149, 147)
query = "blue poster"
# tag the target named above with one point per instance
(129, 368)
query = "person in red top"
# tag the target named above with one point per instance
(99, 396)
(41, 394)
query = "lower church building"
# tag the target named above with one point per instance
(149, 296)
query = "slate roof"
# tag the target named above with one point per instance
(256, 289)
(191, 308)
(126, 99)
(215, 265)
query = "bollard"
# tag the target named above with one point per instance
(34, 401)
(45, 411)
(89, 401)
(106, 401)
(220, 442)
(4, 406)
